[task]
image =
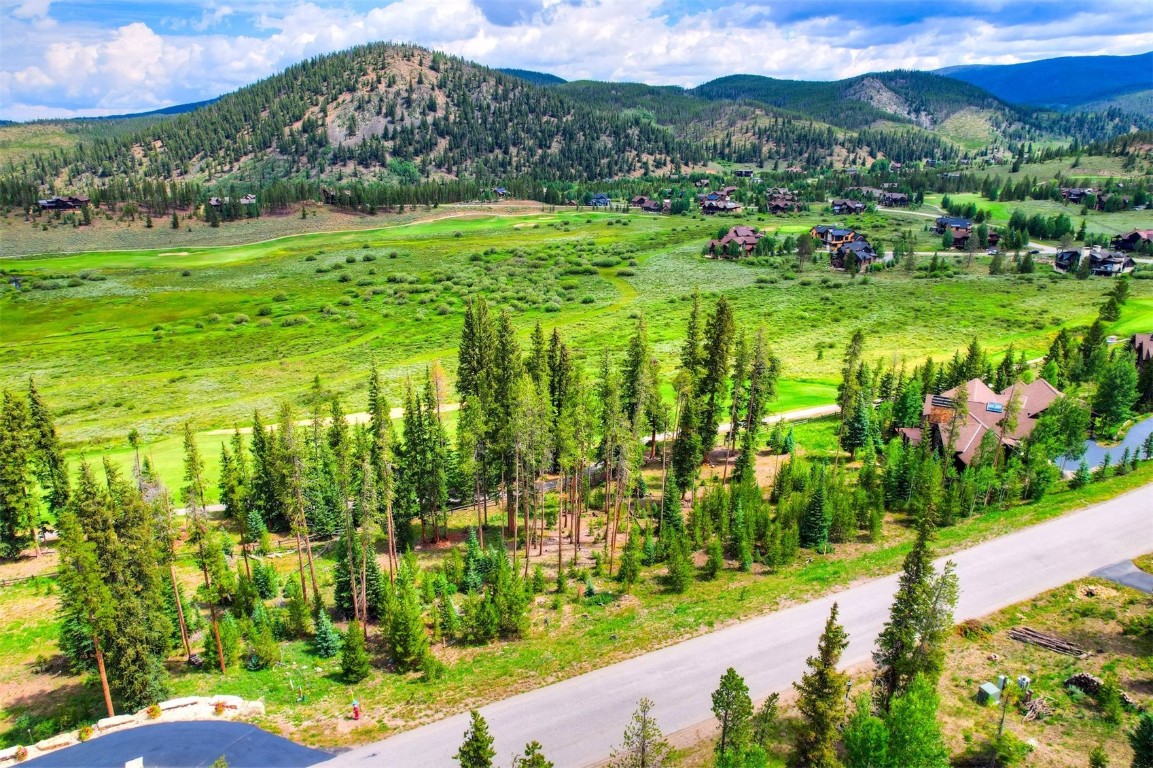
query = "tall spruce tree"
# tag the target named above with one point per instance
(912, 641)
(720, 331)
(734, 710)
(407, 637)
(354, 661)
(821, 701)
(18, 507)
(47, 456)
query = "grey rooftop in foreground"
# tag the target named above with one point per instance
(188, 744)
(580, 719)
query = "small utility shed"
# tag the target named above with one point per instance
(988, 693)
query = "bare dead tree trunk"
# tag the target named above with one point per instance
(180, 610)
(392, 564)
(300, 563)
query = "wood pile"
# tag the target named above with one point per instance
(1048, 642)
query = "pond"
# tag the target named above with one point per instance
(1095, 453)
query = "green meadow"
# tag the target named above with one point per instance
(150, 339)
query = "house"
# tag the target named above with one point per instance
(984, 416)
(893, 199)
(499, 191)
(1108, 263)
(600, 200)
(960, 228)
(820, 232)
(1067, 261)
(856, 254)
(848, 206)
(70, 203)
(248, 200)
(728, 191)
(655, 206)
(741, 238)
(781, 200)
(720, 206)
(1133, 241)
(743, 173)
(638, 201)
(1076, 194)
(1114, 202)
(1143, 346)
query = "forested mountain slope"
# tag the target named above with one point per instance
(1064, 83)
(401, 115)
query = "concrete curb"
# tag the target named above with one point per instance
(173, 710)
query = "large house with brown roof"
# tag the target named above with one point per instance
(743, 240)
(1133, 241)
(942, 424)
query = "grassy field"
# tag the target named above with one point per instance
(149, 339)
(1095, 221)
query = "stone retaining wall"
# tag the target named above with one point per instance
(187, 708)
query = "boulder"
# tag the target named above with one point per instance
(229, 702)
(58, 741)
(110, 723)
(186, 701)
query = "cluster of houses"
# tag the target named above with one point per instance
(70, 203)
(964, 430)
(1102, 261)
(847, 247)
(1138, 239)
(781, 200)
(1077, 195)
(738, 241)
(718, 202)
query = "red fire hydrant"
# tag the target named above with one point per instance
(355, 709)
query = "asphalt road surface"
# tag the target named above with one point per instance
(580, 719)
(190, 744)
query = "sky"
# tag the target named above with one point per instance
(76, 58)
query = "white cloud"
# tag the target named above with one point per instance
(135, 67)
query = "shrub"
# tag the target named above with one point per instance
(368, 256)
(213, 318)
(626, 272)
(240, 319)
(218, 708)
(288, 322)
(344, 279)
(350, 259)
(153, 711)
(264, 311)
(186, 273)
(85, 732)
(263, 322)
(588, 300)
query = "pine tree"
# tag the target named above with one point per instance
(17, 502)
(1116, 392)
(816, 519)
(644, 746)
(679, 562)
(298, 622)
(47, 456)
(476, 751)
(407, 637)
(821, 701)
(734, 709)
(865, 737)
(326, 642)
(764, 723)
(84, 597)
(912, 641)
(914, 735)
(533, 757)
(354, 661)
(720, 331)
(1141, 740)
(716, 558)
(630, 570)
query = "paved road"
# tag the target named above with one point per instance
(191, 744)
(1126, 572)
(579, 720)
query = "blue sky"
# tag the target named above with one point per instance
(64, 58)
